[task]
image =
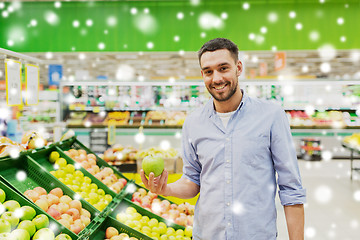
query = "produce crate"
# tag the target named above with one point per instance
(13, 195)
(41, 157)
(36, 177)
(125, 203)
(98, 233)
(129, 194)
(73, 143)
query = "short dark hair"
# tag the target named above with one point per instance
(219, 43)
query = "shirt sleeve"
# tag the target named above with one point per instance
(285, 161)
(192, 166)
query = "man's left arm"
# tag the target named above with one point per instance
(295, 221)
(291, 192)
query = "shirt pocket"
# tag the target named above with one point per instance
(251, 150)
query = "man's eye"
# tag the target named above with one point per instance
(223, 68)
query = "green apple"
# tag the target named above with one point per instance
(5, 236)
(11, 218)
(63, 236)
(44, 234)
(2, 196)
(5, 226)
(19, 234)
(11, 205)
(28, 213)
(153, 164)
(27, 225)
(41, 221)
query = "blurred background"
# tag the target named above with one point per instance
(123, 75)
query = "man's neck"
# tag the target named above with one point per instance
(229, 105)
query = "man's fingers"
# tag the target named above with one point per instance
(144, 179)
(163, 180)
(151, 182)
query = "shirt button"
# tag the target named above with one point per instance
(227, 139)
(229, 224)
(228, 204)
(228, 181)
(228, 160)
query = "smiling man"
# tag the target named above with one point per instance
(233, 147)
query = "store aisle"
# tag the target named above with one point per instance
(333, 201)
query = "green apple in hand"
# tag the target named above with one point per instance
(44, 234)
(28, 213)
(27, 225)
(11, 218)
(41, 221)
(5, 226)
(63, 236)
(19, 234)
(2, 196)
(153, 164)
(5, 236)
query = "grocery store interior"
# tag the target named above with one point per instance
(88, 89)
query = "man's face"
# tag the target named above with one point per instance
(220, 73)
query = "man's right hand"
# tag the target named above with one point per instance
(156, 185)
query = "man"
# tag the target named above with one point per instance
(232, 149)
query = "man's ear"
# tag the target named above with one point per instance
(239, 68)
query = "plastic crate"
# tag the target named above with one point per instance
(99, 232)
(73, 143)
(129, 195)
(36, 177)
(125, 203)
(41, 157)
(54, 225)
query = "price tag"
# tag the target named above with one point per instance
(13, 82)
(96, 109)
(32, 84)
(111, 132)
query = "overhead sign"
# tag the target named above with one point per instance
(13, 82)
(280, 61)
(32, 84)
(55, 74)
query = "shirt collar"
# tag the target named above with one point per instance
(210, 104)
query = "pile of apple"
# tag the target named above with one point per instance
(22, 223)
(88, 161)
(67, 211)
(112, 233)
(76, 181)
(152, 227)
(182, 214)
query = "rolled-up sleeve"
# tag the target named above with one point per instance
(192, 167)
(283, 152)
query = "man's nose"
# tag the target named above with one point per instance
(217, 77)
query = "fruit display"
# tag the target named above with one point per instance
(105, 175)
(95, 118)
(33, 139)
(353, 140)
(151, 226)
(333, 119)
(157, 151)
(117, 152)
(76, 181)
(182, 214)
(119, 118)
(76, 118)
(112, 233)
(175, 118)
(21, 222)
(9, 147)
(61, 207)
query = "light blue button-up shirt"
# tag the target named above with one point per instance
(235, 168)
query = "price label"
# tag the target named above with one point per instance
(96, 109)
(32, 84)
(111, 132)
(13, 82)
